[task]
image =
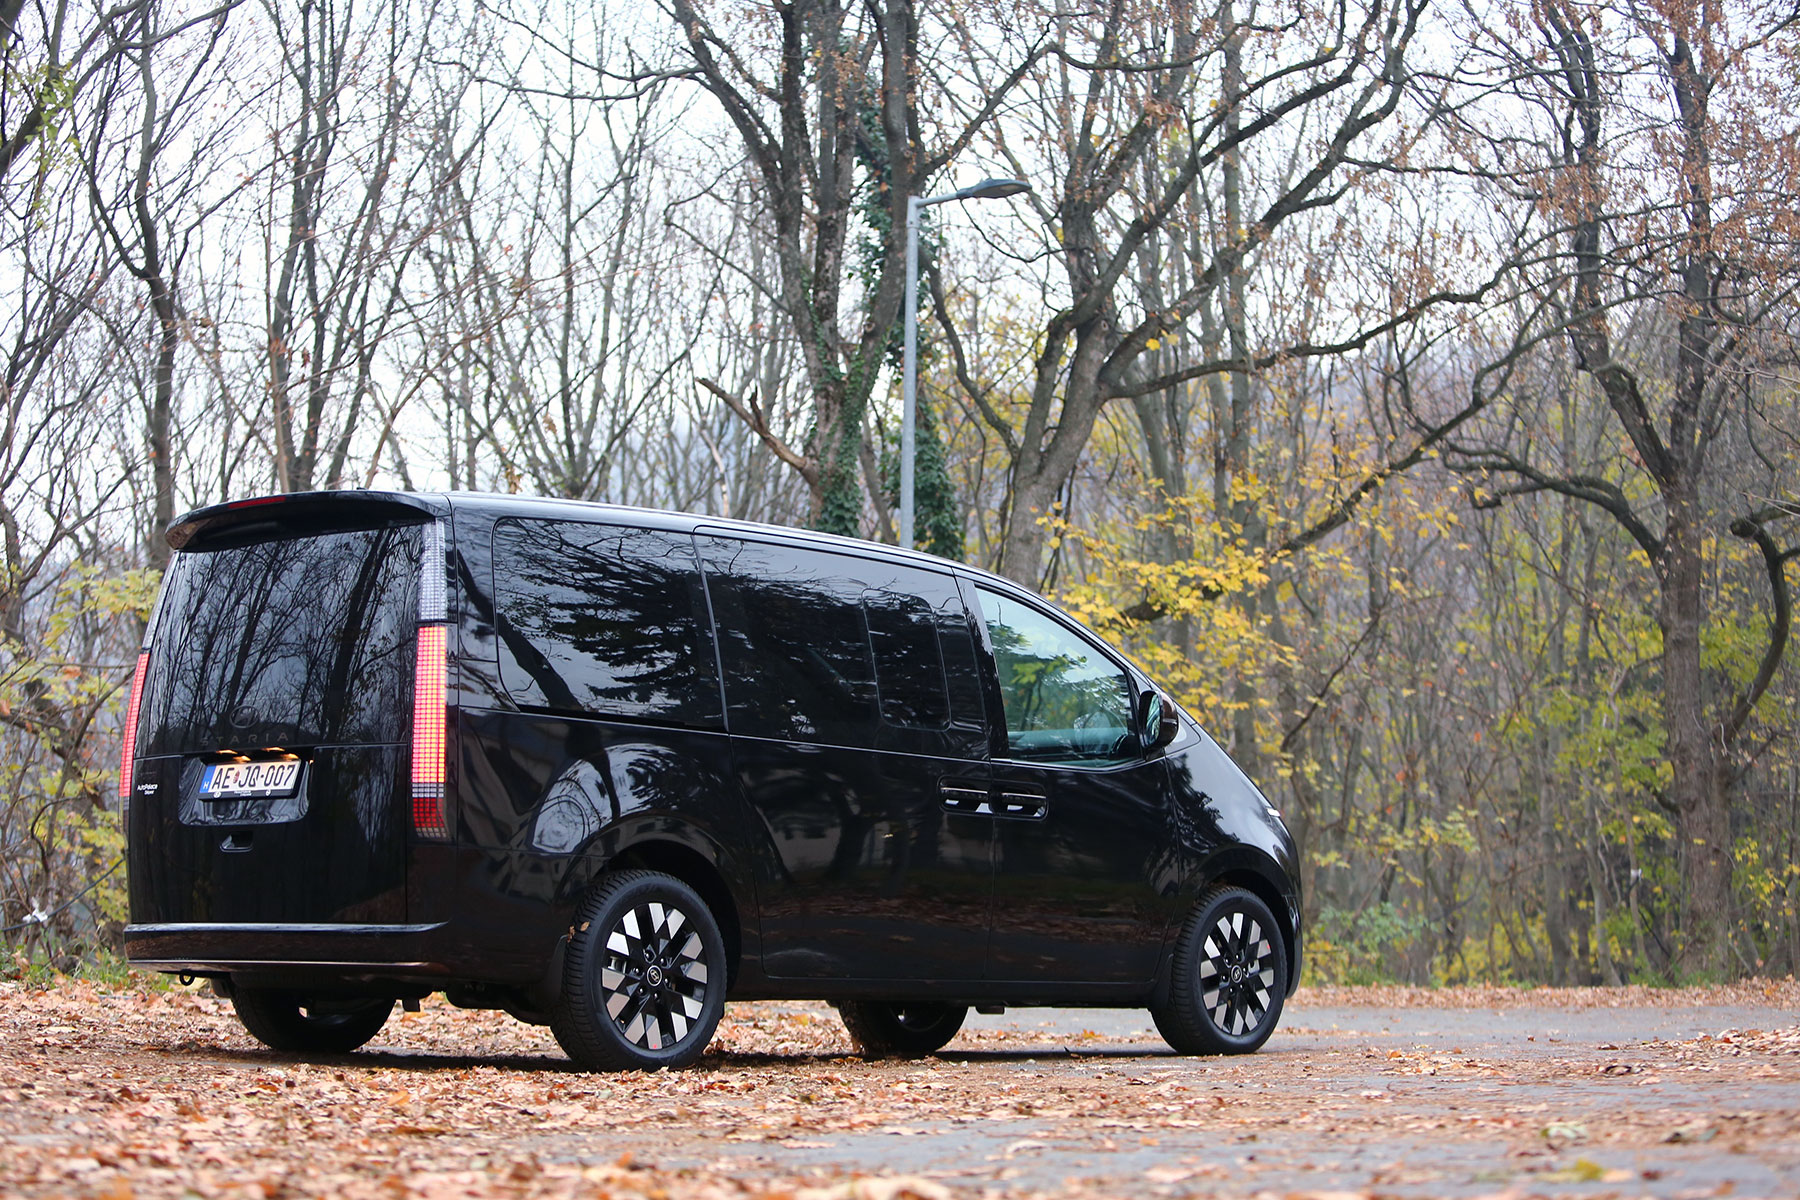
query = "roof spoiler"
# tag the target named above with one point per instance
(296, 513)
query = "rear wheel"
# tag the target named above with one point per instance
(901, 1029)
(301, 1024)
(644, 978)
(1228, 977)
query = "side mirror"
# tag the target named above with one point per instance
(1156, 717)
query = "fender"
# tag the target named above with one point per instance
(675, 845)
(657, 841)
(1239, 837)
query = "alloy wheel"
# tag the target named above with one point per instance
(1237, 973)
(654, 976)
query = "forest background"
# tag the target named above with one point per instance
(1411, 385)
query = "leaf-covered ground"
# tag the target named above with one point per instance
(135, 1092)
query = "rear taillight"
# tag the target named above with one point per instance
(430, 714)
(128, 751)
(428, 735)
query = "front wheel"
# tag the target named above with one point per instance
(300, 1024)
(881, 1028)
(644, 977)
(1228, 978)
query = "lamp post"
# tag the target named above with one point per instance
(987, 189)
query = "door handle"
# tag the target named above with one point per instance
(965, 800)
(1023, 806)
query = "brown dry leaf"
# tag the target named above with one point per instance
(1170, 1174)
(155, 1094)
(893, 1187)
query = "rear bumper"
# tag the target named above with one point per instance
(352, 952)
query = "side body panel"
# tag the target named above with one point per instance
(1084, 887)
(1233, 835)
(863, 872)
(546, 803)
(542, 800)
(1089, 855)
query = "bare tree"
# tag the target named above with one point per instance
(1147, 122)
(150, 198)
(570, 264)
(1659, 163)
(345, 196)
(825, 101)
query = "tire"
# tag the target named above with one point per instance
(902, 1030)
(1228, 977)
(299, 1024)
(644, 978)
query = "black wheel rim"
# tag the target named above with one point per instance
(1237, 973)
(654, 976)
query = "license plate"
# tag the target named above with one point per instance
(224, 781)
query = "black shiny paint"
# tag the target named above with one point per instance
(830, 771)
(846, 729)
(546, 803)
(1087, 859)
(1086, 890)
(336, 851)
(1231, 834)
(870, 878)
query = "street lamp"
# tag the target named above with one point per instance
(987, 189)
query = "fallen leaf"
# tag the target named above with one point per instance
(1693, 1131)
(1565, 1131)
(1170, 1174)
(893, 1187)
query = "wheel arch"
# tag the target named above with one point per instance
(699, 872)
(1263, 878)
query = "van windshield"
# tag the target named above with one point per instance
(295, 641)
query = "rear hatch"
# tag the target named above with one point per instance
(272, 779)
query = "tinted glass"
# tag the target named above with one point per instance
(1064, 700)
(794, 643)
(603, 619)
(291, 642)
(959, 641)
(909, 665)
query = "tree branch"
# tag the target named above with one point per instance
(752, 415)
(1600, 492)
(1775, 560)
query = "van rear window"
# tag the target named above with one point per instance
(293, 641)
(604, 619)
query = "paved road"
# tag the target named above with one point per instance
(1460, 1094)
(1395, 1101)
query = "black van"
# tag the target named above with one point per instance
(605, 768)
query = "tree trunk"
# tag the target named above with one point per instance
(154, 273)
(1697, 775)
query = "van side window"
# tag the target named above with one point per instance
(909, 665)
(1064, 700)
(603, 619)
(793, 642)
